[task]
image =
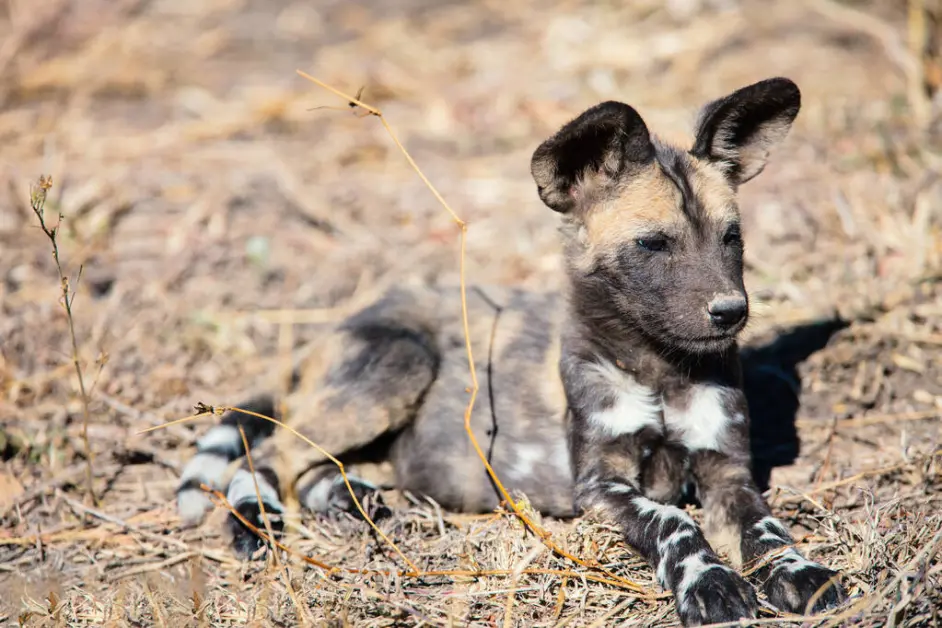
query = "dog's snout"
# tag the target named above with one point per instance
(727, 311)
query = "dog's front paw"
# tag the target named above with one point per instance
(794, 582)
(245, 542)
(710, 592)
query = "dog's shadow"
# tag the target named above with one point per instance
(772, 386)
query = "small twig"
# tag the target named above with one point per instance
(37, 199)
(916, 38)
(509, 604)
(560, 599)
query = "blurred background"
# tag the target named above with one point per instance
(209, 192)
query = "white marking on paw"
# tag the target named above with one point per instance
(222, 437)
(665, 550)
(210, 469)
(316, 498)
(619, 488)
(704, 423)
(662, 512)
(792, 562)
(772, 531)
(636, 406)
(191, 504)
(694, 566)
(242, 489)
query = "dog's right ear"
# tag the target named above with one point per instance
(600, 144)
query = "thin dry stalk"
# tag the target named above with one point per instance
(157, 538)
(204, 410)
(158, 566)
(302, 613)
(825, 466)
(37, 200)
(343, 473)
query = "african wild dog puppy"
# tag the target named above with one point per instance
(619, 394)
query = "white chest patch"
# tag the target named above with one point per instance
(636, 406)
(706, 420)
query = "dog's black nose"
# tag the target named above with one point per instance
(727, 311)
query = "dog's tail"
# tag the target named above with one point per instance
(216, 450)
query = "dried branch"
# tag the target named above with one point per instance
(37, 200)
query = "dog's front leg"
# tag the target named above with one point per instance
(705, 590)
(739, 520)
(611, 435)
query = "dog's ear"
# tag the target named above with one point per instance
(738, 131)
(601, 144)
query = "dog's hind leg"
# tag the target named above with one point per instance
(215, 450)
(323, 490)
(362, 389)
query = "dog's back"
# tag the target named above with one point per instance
(518, 416)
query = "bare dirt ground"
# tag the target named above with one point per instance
(202, 192)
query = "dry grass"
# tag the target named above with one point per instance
(209, 205)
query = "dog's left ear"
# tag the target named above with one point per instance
(739, 131)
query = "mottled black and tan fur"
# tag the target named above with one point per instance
(620, 394)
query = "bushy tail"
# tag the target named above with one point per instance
(216, 450)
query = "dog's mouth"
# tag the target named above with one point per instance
(713, 343)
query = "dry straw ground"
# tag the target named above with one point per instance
(209, 203)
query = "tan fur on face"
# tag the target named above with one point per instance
(712, 187)
(648, 201)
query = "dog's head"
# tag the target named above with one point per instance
(652, 230)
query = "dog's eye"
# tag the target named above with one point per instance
(733, 236)
(653, 243)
